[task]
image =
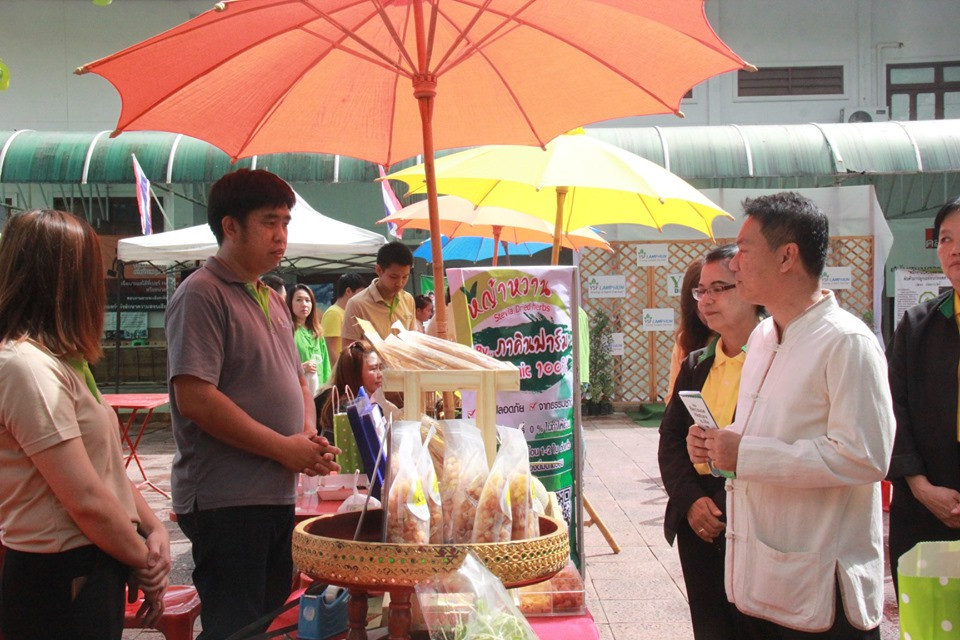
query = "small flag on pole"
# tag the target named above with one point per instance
(391, 204)
(143, 197)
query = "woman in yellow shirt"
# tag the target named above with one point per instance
(695, 509)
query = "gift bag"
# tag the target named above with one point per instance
(930, 591)
(349, 460)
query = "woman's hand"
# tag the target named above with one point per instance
(943, 502)
(151, 579)
(153, 576)
(310, 366)
(704, 519)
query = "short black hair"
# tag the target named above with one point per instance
(243, 191)
(945, 210)
(352, 281)
(394, 253)
(422, 301)
(789, 217)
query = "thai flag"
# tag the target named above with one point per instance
(390, 203)
(143, 197)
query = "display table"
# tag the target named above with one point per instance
(136, 402)
(582, 627)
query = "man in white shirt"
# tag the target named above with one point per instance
(812, 439)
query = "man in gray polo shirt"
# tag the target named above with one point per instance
(243, 420)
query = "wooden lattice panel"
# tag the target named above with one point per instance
(642, 373)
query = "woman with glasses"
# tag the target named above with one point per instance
(695, 509)
(74, 527)
(308, 337)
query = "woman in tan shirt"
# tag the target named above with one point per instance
(74, 527)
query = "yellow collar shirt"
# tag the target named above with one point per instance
(721, 388)
(956, 316)
(370, 305)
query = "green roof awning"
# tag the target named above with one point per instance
(695, 153)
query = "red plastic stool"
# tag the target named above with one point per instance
(181, 606)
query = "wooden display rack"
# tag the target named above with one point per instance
(415, 383)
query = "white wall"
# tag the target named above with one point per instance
(43, 41)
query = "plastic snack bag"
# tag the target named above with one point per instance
(356, 501)
(494, 519)
(464, 474)
(431, 489)
(408, 516)
(471, 604)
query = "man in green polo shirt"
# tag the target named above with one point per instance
(384, 301)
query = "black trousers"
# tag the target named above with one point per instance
(73, 594)
(757, 629)
(242, 564)
(713, 617)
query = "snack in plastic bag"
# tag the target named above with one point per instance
(356, 501)
(464, 474)
(471, 604)
(408, 516)
(431, 489)
(525, 522)
(494, 519)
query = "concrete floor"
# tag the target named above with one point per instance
(637, 594)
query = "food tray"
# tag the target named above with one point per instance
(323, 549)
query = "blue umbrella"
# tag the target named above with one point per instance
(474, 248)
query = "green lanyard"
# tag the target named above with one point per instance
(81, 366)
(261, 295)
(392, 306)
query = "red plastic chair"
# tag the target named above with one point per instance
(181, 606)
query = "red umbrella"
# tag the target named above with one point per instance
(335, 76)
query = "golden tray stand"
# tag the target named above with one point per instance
(323, 548)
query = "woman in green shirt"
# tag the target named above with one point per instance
(309, 337)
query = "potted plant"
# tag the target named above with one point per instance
(601, 388)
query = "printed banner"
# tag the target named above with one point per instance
(653, 255)
(616, 344)
(658, 319)
(523, 315)
(133, 325)
(606, 287)
(837, 278)
(915, 286)
(673, 283)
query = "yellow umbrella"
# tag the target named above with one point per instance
(574, 182)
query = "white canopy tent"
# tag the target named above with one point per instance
(313, 241)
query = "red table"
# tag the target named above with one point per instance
(136, 402)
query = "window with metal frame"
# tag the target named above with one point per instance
(112, 216)
(924, 90)
(791, 81)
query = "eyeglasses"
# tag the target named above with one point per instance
(714, 290)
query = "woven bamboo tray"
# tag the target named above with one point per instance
(323, 548)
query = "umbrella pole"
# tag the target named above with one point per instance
(425, 90)
(558, 226)
(497, 230)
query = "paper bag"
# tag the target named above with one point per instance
(930, 591)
